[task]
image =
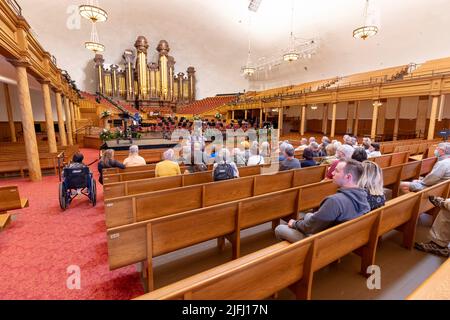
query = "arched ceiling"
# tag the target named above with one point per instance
(211, 35)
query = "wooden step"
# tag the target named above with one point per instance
(5, 219)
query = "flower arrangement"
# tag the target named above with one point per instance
(105, 114)
(218, 116)
(106, 135)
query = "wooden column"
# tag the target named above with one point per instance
(433, 114)
(325, 118)
(333, 121)
(356, 122)
(245, 114)
(260, 118)
(373, 130)
(68, 121)
(421, 117)
(59, 111)
(232, 115)
(350, 116)
(51, 138)
(265, 114)
(280, 120)
(381, 119)
(303, 121)
(72, 116)
(12, 127)
(26, 111)
(397, 119)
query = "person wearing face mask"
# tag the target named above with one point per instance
(348, 203)
(440, 172)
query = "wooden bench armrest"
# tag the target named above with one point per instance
(24, 202)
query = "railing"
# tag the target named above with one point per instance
(15, 6)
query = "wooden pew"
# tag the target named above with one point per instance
(290, 265)
(144, 240)
(10, 199)
(139, 241)
(144, 206)
(392, 159)
(436, 286)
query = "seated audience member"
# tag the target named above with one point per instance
(290, 162)
(348, 203)
(134, 159)
(314, 147)
(372, 181)
(374, 150)
(308, 155)
(354, 142)
(311, 140)
(237, 156)
(359, 154)
(343, 152)
(440, 172)
(323, 146)
(168, 167)
(331, 154)
(77, 161)
(198, 160)
(439, 234)
(366, 144)
(283, 146)
(107, 161)
(255, 158)
(224, 168)
(303, 145)
(265, 149)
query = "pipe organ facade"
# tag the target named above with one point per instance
(147, 83)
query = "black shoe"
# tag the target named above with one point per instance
(436, 201)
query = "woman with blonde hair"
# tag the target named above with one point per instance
(107, 161)
(372, 181)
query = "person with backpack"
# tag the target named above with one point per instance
(224, 168)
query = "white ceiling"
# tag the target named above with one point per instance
(211, 35)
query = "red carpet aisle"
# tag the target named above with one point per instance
(38, 247)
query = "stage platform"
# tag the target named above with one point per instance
(121, 144)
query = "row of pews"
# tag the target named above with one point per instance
(144, 222)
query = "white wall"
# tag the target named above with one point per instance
(36, 102)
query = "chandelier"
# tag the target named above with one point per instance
(93, 12)
(366, 30)
(292, 54)
(94, 43)
(248, 70)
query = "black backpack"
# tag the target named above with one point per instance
(223, 171)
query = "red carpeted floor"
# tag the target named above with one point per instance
(39, 246)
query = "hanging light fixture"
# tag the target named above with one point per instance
(93, 12)
(366, 30)
(94, 43)
(314, 107)
(292, 54)
(248, 69)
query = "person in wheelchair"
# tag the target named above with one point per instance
(77, 179)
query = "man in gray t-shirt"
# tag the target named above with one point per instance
(289, 162)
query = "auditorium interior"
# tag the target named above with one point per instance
(83, 77)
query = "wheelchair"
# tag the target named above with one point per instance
(77, 181)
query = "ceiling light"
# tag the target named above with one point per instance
(366, 30)
(94, 44)
(291, 56)
(93, 12)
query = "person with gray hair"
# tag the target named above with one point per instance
(440, 172)
(224, 168)
(134, 159)
(283, 146)
(167, 167)
(344, 152)
(290, 162)
(303, 145)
